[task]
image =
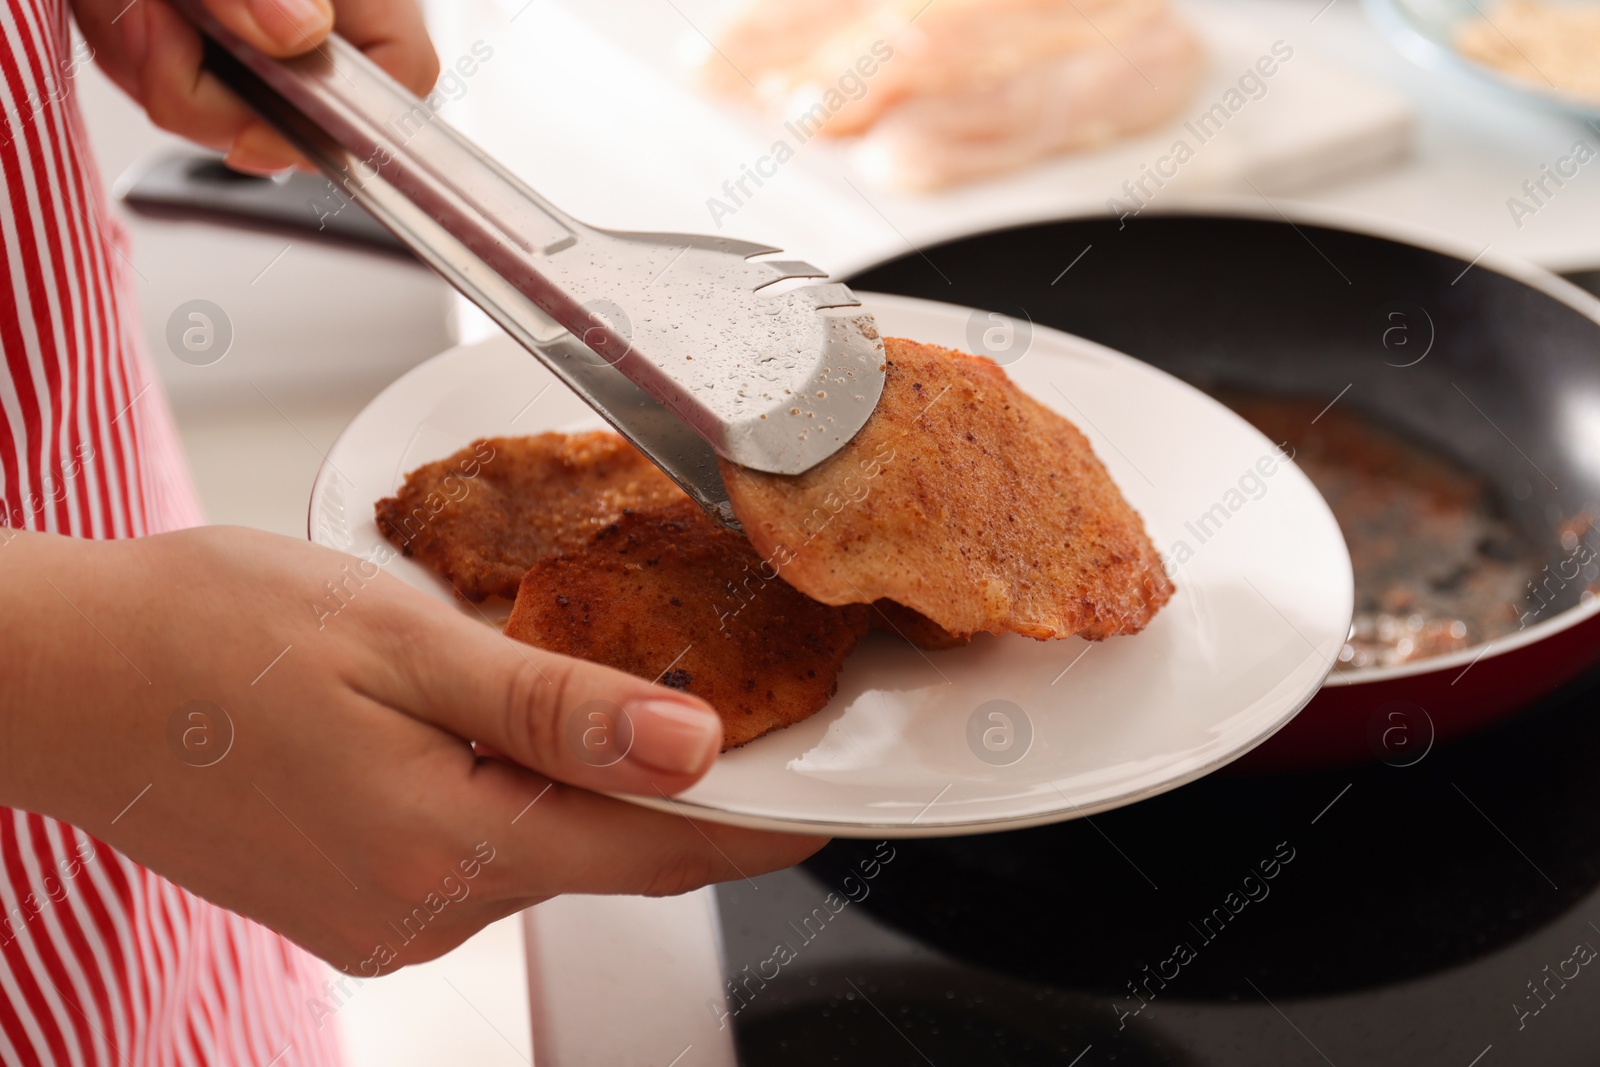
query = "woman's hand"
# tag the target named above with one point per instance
(284, 730)
(154, 55)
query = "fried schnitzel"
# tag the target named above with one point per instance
(668, 595)
(962, 506)
(483, 516)
(965, 500)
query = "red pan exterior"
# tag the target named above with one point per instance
(1396, 719)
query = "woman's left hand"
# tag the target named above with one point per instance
(154, 54)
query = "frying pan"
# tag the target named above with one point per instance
(1497, 365)
(1495, 362)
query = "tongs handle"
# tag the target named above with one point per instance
(388, 150)
(464, 215)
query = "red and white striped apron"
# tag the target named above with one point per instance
(101, 961)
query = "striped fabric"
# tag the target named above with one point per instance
(101, 961)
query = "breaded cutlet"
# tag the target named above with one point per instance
(481, 517)
(967, 501)
(666, 594)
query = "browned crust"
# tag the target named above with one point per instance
(665, 594)
(481, 517)
(967, 501)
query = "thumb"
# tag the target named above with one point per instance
(276, 27)
(577, 722)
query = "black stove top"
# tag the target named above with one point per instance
(1443, 911)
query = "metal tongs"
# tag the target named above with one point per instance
(676, 340)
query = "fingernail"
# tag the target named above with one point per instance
(292, 22)
(672, 737)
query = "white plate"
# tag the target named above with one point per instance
(908, 746)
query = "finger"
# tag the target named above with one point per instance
(276, 27)
(612, 846)
(259, 149)
(116, 35)
(394, 35)
(169, 81)
(179, 96)
(577, 722)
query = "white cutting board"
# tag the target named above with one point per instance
(592, 102)
(1314, 123)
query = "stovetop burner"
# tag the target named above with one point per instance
(1442, 911)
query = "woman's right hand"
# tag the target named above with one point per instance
(324, 783)
(155, 55)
